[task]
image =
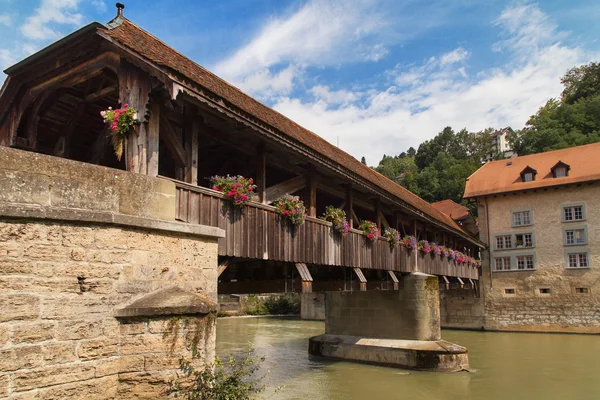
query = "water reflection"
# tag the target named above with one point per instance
(506, 366)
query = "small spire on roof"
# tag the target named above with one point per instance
(120, 7)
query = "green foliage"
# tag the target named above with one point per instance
(291, 208)
(275, 304)
(337, 217)
(581, 83)
(255, 306)
(283, 305)
(232, 379)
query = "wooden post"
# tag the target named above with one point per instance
(312, 190)
(153, 139)
(378, 214)
(261, 173)
(349, 206)
(191, 146)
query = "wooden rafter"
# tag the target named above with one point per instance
(102, 93)
(287, 187)
(172, 142)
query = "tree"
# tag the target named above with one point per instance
(581, 82)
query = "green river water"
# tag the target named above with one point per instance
(507, 366)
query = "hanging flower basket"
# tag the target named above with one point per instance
(238, 189)
(369, 230)
(445, 252)
(121, 121)
(338, 220)
(435, 249)
(291, 208)
(424, 247)
(410, 242)
(393, 236)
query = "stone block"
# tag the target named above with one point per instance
(16, 267)
(22, 232)
(109, 256)
(76, 236)
(38, 285)
(119, 365)
(32, 332)
(135, 328)
(73, 306)
(10, 249)
(144, 385)
(97, 389)
(110, 238)
(54, 375)
(78, 329)
(4, 335)
(59, 353)
(98, 348)
(19, 307)
(161, 362)
(20, 358)
(144, 344)
(77, 254)
(45, 253)
(3, 385)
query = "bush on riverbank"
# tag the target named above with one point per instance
(274, 304)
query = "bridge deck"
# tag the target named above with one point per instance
(253, 231)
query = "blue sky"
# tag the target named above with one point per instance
(377, 75)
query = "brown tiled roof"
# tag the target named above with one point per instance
(451, 208)
(504, 175)
(157, 52)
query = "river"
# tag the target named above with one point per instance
(505, 366)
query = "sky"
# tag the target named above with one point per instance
(372, 76)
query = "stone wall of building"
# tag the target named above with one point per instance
(78, 243)
(551, 298)
(461, 308)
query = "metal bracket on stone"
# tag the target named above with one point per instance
(169, 301)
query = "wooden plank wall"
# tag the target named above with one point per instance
(255, 231)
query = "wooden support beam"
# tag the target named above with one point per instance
(172, 142)
(350, 205)
(62, 147)
(394, 279)
(306, 277)
(312, 190)
(223, 266)
(153, 139)
(327, 187)
(287, 187)
(191, 146)
(447, 282)
(462, 284)
(378, 214)
(361, 279)
(261, 173)
(101, 93)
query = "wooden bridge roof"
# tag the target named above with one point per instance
(155, 52)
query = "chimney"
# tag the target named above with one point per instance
(120, 7)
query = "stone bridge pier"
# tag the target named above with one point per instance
(396, 328)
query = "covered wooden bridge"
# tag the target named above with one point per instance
(195, 125)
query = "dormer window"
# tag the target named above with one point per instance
(560, 170)
(528, 174)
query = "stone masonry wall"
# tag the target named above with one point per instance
(564, 309)
(461, 308)
(59, 285)
(77, 243)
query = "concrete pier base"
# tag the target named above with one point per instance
(425, 355)
(396, 328)
(312, 306)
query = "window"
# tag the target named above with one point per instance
(502, 263)
(504, 242)
(524, 240)
(573, 213)
(544, 290)
(560, 172)
(578, 260)
(521, 218)
(582, 290)
(524, 262)
(509, 291)
(575, 237)
(528, 177)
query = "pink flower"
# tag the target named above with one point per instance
(215, 188)
(113, 126)
(125, 105)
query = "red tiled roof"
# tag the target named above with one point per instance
(505, 175)
(157, 52)
(451, 208)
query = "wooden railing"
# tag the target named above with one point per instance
(255, 231)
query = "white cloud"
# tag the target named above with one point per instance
(40, 25)
(100, 5)
(5, 20)
(425, 98)
(454, 56)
